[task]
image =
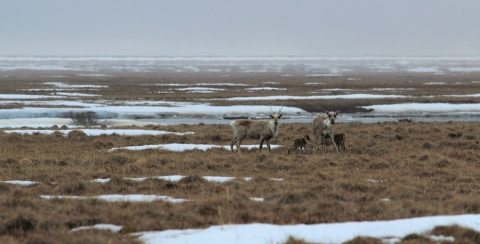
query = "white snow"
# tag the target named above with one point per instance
(76, 94)
(393, 89)
(20, 182)
(110, 227)
(323, 75)
(346, 96)
(200, 84)
(34, 123)
(424, 69)
(93, 75)
(266, 88)
(97, 132)
(25, 96)
(466, 95)
(174, 178)
(49, 103)
(122, 198)
(389, 231)
(194, 109)
(197, 88)
(64, 85)
(424, 107)
(434, 83)
(257, 199)
(336, 89)
(184, 147)
(464, 69)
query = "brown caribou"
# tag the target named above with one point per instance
(299, 143)
(255, 129)
(339, 139)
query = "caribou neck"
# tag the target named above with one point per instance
(274, 127)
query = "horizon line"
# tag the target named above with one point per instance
(221, 56)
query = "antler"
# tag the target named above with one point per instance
(278, 111)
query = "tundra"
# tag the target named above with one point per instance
(299, 143)
(322, 127)
(255, 129)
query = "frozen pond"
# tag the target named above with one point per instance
(342, 118)
(193, 114)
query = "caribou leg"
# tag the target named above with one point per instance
(234, 140)
(335, 144)
(261, 143)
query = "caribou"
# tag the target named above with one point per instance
(322, 127)
(339, 139)
(299, 143)
(255, 129)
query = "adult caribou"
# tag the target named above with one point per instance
(255, 129)
(322, 128)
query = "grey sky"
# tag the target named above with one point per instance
(240, 28)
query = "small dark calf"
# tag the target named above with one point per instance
(339, 141)
(299, 143)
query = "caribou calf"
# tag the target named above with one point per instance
(299, 143)
(255, 129)
(322, 127)
(339, 140)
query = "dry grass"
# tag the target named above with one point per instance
(421, 168)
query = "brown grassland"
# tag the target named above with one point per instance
(392, 170)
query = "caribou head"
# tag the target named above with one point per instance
(276, 116)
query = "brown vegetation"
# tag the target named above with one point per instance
(393, 170)
(427, 172)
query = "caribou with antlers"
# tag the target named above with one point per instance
(255, 129)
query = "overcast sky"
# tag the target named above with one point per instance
(240, 28)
